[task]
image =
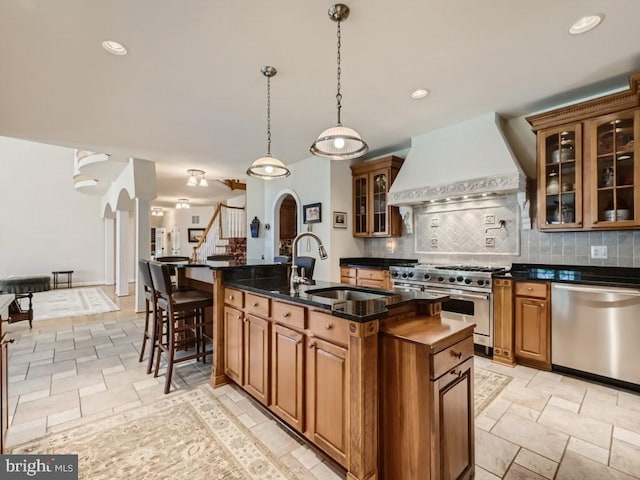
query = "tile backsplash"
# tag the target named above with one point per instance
(461, 234)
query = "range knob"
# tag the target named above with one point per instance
(404, 275)
(427, 276)
(467, 281)
(480, 282)
(441, 279)
(395, 274)
(452, 279)
(410, 274)
(459, 279)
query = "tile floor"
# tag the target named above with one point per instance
(542, 426)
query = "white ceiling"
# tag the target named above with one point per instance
(190, 93)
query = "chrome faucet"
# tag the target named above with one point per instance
(296, 279)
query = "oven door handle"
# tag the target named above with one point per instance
(463, 295)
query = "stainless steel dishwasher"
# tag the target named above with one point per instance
(596, 329)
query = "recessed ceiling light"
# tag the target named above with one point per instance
(420, 93)
(114, 48)
(585, 24)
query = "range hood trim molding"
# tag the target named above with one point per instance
(495, 184)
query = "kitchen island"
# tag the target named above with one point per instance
(324, 359)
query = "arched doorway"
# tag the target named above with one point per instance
(288, 223)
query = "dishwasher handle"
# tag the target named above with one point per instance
(575, 288)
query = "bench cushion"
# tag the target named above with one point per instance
(26, 283)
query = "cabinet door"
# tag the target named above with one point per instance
(560, 186)
(233, 341)
(532, 331)
(256, 357)
(328, 397)
(361, 205)
(613, 174)
(453, 427)
(379, 183)
(287, 370)
(503, 321)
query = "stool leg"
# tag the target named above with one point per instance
(146, 330)
(172, 350)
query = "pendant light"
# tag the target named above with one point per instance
(268, 167)
(339, 142)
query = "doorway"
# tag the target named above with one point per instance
(288, 225)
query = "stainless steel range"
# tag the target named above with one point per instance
(469, 289)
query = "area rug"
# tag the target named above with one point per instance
(185, 436)
(71, 302)
(487, 386)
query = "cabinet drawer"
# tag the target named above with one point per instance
(289, 314)
(365, 273)
(448, 358)
(365, 282)
(531, 289)
(348, 272)
(327, 326)
(234, 297)
(258, 305)
(349, 280)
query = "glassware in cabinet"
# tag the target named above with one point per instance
(614, 172)
(559, 174)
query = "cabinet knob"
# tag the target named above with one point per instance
(455, 372)
(456, 354)
(10, 340)
(312, 345)
(239, 317)
(328, 326)
(286, 314)
(255, 304)
(230, 297)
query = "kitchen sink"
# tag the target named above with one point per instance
(347, 293)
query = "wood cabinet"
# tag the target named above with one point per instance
(327, 376)
(431, 436)
(588, 178)
(503, 321)
(287, 366)
(533, 324)
(372, 215)
(256, 357)
(366, 277)
(234, 344)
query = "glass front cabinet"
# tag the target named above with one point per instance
(372, 215)
(560, 176)
(613, 174)
(588, 177)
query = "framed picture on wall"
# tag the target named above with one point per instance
(339, 219)
(195, 234)
(312, 213)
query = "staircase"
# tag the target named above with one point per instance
(225, 236)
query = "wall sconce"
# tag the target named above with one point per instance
(254, 226)
(196, 178)
(183, 203)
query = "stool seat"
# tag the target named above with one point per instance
(25, 283)
(179, 320)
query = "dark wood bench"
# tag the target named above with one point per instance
(17, 312)
(25, 284)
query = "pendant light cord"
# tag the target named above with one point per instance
(339, 95)
(268, 116)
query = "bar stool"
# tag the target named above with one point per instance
(149, 303)
(180, 320)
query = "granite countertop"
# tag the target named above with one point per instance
(356, 310)
(584, 274)
(374, 262)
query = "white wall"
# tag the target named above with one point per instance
(311, 180)
(46, 223)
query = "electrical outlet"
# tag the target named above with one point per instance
(435, 221)
(434, 242)
(489, 241)
(489, 219)
(599, 251)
